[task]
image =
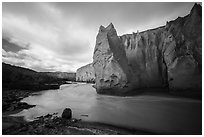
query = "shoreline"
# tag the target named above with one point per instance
(17, 125)
(12, 125)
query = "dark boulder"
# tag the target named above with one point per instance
(67, 113)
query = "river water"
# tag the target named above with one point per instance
(161, 114)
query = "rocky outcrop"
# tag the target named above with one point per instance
(183, 54)
(145, 59)
(86, 73)
(165, 57)
(110, 62)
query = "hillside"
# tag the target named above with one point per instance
(14, 77)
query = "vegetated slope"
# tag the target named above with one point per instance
(14, 77)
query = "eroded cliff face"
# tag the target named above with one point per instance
(183, 54)
(166, 57)
(110, 62)
(169, 56)
(145, 58)
(86, 73)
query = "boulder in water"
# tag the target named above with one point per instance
(67, 113)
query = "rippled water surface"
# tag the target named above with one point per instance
(153, 113)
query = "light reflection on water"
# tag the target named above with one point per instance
(154, 113)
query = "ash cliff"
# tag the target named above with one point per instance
(166, 57)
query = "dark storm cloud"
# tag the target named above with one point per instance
(7, 46)
(13, 46)
(61, 36)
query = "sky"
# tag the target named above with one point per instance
(61, 36)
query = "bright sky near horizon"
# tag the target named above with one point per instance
(61, 36)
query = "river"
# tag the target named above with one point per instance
(161, 114)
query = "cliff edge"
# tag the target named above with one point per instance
(166, 57)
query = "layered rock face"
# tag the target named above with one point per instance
(145, 58)
(183, 54)
(165, 57)
(86, 73)
(110, 62)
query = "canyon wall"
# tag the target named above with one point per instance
(183, 51)
(85, 73)
(166, 57)
(145, 58)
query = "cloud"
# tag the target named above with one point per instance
(14, 45)
(69, 42)
(61, 36)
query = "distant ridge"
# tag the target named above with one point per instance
(15, 77)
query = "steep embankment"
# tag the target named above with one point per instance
(166, 57)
